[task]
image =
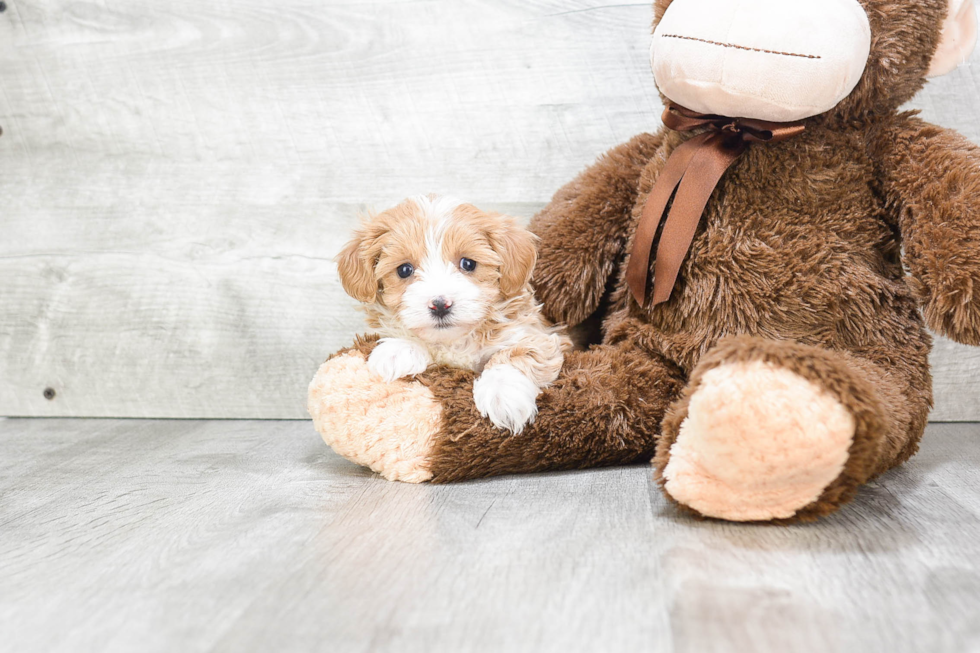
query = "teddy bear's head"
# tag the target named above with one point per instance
(785, 61)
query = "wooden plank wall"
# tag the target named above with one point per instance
(176, 177)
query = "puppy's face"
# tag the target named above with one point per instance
(437, 264)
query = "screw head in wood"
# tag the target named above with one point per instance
(50, 394)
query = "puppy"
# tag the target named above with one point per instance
(446, 283)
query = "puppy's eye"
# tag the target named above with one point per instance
(467, 264)
(406, 270)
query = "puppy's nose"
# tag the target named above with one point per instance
(440, 307)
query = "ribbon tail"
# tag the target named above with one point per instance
(700, 179)
(638, 268)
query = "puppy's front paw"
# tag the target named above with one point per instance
(395, 358)
(507, 397)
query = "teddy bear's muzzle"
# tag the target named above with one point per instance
(764, 59)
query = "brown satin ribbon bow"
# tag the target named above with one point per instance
(696, 166)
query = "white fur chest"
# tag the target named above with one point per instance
(463, 353)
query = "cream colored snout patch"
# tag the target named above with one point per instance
(763, 59)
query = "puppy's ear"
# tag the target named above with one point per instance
(518, 252)
(356, 265)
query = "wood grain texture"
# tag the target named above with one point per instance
(176, 177)
(253, 536)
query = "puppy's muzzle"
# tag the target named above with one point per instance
(440, 307)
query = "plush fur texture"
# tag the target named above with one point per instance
(387, 427)
(759, 442)
(796, 273)
(882, 437)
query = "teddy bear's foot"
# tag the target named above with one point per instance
(388, 427)
(759, 443)
(775, 430)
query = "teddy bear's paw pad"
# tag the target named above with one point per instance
(759, 443)
(388, 427)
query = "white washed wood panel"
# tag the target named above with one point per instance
(175, 178)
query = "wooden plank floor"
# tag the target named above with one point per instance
(252, 536)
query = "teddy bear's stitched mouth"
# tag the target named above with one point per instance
(741, 47)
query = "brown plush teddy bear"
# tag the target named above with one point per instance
(741, 274)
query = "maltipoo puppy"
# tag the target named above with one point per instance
(446, 283)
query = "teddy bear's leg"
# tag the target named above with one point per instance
(388, 427)
(775, 430)
(605, 409)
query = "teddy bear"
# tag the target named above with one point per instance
(751, 284)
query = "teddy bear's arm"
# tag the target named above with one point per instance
(584, 231)
(930, 178)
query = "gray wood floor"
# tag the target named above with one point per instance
(252, 536)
